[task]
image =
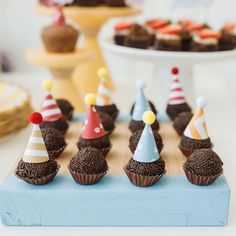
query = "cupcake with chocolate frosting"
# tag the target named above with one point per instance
(103, 101)
(93, 134)
(35, 167)
(181, 121)
(176, 102)
(203, 167)
(146, 167)
(66, 108)
(107, 122)
(88, 166)
(195, 135)
(52, 115)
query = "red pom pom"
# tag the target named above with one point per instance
(175, 71)
(35, 118)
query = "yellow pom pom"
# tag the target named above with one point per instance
(47, 85)
(90, 99)
(102, 72)
(148, 117)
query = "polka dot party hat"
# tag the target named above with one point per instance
(146, 150)
(93, 127)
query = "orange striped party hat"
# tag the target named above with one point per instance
(103, 92)
(50, 110)
(35, 151)
(176, 94)
(196, 128)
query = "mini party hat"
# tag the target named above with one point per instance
(196, 128)
(50, 110)
(176, 94)
(103, 92)
(146, 150)
(93, 127)
(35, 151)
(60, 18)
(141, 103)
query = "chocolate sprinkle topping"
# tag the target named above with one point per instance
(53, 139)
(181, 121)
(89, 161)
(61, 125)
(134, 139)
(189, 143)
(35, 170)
(111, 110)
(147, 169)
(66, 108)
(107, 121)
(173, 110)
(135, 125)
(98, 143)
(204, 162)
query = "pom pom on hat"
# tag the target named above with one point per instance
(90, 99)
(47, 85)
(201, 102)
(148, 117)
(175, 70)
(102, 72)
(35, 118)
(140, 84)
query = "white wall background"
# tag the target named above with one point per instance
(20, 26)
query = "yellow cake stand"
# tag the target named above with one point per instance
(62, 65)
(90, 19)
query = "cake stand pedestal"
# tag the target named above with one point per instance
(160, 63)
(61, 66)
(90, 19)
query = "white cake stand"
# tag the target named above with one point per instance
(162, 63)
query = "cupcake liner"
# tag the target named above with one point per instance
(40, 181)
(186, 152)
(86, 179)
(200, 180)
(141, 180)
(53, 154)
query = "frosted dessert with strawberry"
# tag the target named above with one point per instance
(228, 37)
(205, 40)
(121, 31)
(169, 38)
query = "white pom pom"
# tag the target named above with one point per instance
(140, 84)
(201, 102)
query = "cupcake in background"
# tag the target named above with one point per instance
(103, 100)
(146, 167)
(66, 108)
(122, 29)
(115, 3)
(35, 167)
(176, 102)
(141, 105)
(60, 37)
(228, 37)
(93, 134)
(52, 115)
(181, 121)
(195, 135)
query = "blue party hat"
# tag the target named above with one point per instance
(141, 104)
(146, 150)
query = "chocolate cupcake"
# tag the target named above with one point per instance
(103, 100)
(227, 40)
(176, 102)
(134, 139)
(138, 37)
(181, 121)
(195, 135)
(35, 167)
(203, 167)
(88, 166)
(66, 108)
(54, 141)
(59, 37)
(146, 166)
(107, 122)
(94, 134)
(115, 3)
(52, 115)
(87, 3)
(121, 31)
(151, 105)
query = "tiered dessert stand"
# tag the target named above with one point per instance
(162, 62)
(61, 66)
(90, 19)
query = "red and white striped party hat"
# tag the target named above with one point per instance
(103, 92)
(50, 110)
(176, 94)
(35, 151)
(59, 17)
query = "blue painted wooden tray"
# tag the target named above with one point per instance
(114, 201)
